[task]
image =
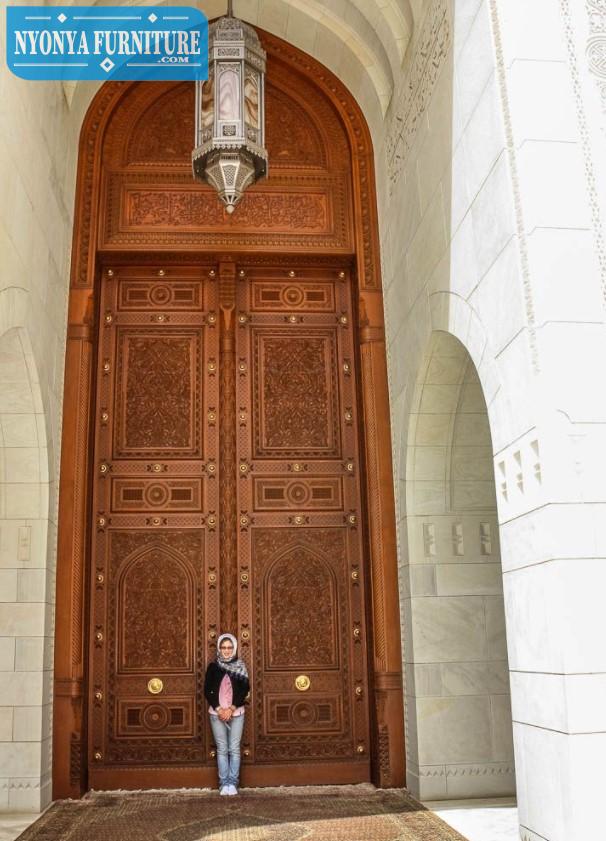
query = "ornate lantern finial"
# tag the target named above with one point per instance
(230, 149)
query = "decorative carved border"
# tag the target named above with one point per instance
(430, 53)
(596, 45)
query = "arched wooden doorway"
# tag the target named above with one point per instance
(226, 459)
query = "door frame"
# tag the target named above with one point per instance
(75, 521)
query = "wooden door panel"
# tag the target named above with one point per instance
(301, 603)
(155, 546)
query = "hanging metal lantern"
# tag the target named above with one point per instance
(230, 149)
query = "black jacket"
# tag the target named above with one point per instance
(212, 682)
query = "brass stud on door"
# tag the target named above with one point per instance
(157, 468)
(212, 578)
(212, 273)
(352, 519)
(98, 696)
(341, 275)
(106, 366)
(242, 319)
(212, 417)
(359, 691)
(108, 318)
(242, 273)
(292, 274)
(100, 578)
(161, 272)
(212, 318)
(98, 756)
(360, 749)
(156, 521)
(357, 633)
(346, 367)
(101, 521)
(246, 751)
(104, 468)
(211, 521)
(99, 636)
(344, 320)
(212, 367)
(355, 576)
(244, 578)
(104, 417)
(110, 272)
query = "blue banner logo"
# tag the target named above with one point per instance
(126, 43)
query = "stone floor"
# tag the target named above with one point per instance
(480, 820)
(477, 820)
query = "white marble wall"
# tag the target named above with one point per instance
(37, 168)
(459, 732)
(492, 232)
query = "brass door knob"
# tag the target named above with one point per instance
(155, 685)
(302, 683)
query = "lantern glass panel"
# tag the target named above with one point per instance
(251, 99)
(208, 104)
(229, 95)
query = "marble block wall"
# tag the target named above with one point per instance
(459, 732)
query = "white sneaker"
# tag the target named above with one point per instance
(231, 790)
(224, 790)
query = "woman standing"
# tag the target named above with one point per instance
(226, 686)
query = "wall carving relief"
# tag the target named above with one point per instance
(430, 52)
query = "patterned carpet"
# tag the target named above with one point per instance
(348, 813)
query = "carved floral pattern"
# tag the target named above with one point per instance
(156, 614)
(298, 397)
(299, 578)
(166, 130)
(291, 137)
(197, 208)
(157, 377)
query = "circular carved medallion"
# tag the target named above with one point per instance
(304, 713)
(292, 296)
(298, 493)
(160, 295)
(156, 494)
(155, 717)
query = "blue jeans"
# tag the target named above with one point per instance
(227, 739)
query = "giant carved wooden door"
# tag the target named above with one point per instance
(227, 496)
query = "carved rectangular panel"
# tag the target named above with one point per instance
(289, 295)
(144, 210)
(158, 392)
(296, 397)
(319, 493)
(315, 713)
(156, 494)
(151, 295)
(137, 716)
